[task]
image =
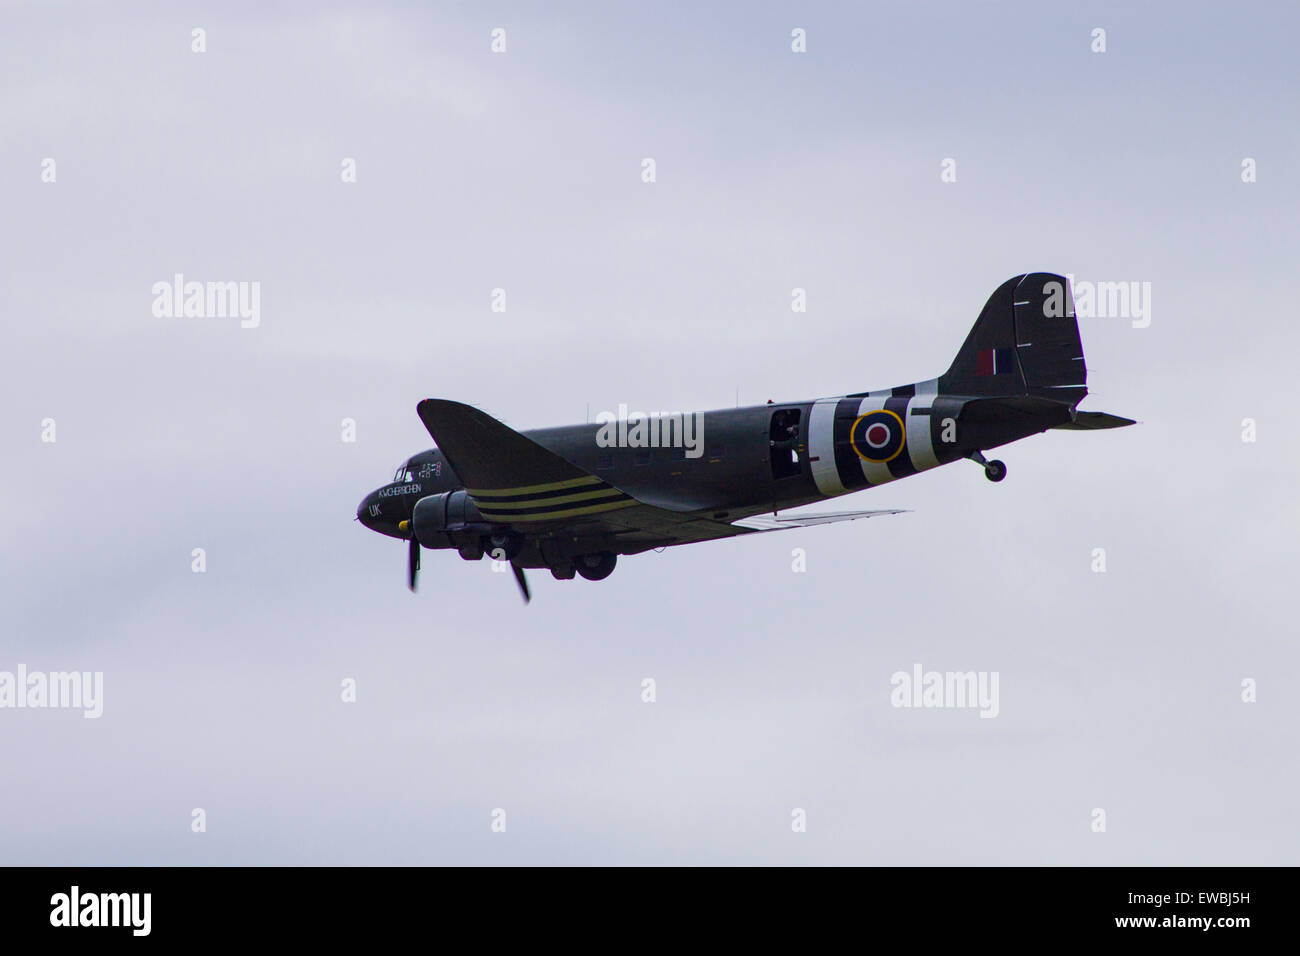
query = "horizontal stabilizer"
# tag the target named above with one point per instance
(1091, 421)
(776, 522)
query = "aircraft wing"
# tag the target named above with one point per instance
(514, 480)
(488, 455)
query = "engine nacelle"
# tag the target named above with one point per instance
(435, 515)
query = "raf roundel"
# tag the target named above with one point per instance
(878, 436)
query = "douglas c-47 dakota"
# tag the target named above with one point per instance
(561, 499)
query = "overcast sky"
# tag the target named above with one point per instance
(522, 170)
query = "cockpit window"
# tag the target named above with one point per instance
(404, 474)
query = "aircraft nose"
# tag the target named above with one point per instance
(368, 512)
(388, 509)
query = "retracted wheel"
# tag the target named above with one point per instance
(596, 566)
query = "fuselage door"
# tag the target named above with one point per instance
(785, 443)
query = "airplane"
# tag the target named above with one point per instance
(563, 499)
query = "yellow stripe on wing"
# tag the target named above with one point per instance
(529, 489)
(511, 517)
(533, 503)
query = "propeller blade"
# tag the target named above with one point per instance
(523, 582)
(413, 563)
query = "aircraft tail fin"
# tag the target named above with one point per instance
(1025, 342)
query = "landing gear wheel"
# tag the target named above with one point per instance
(995, 471)
(597, 566)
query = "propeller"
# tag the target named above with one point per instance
(523, 581)
(413, 562)
(413, 569)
